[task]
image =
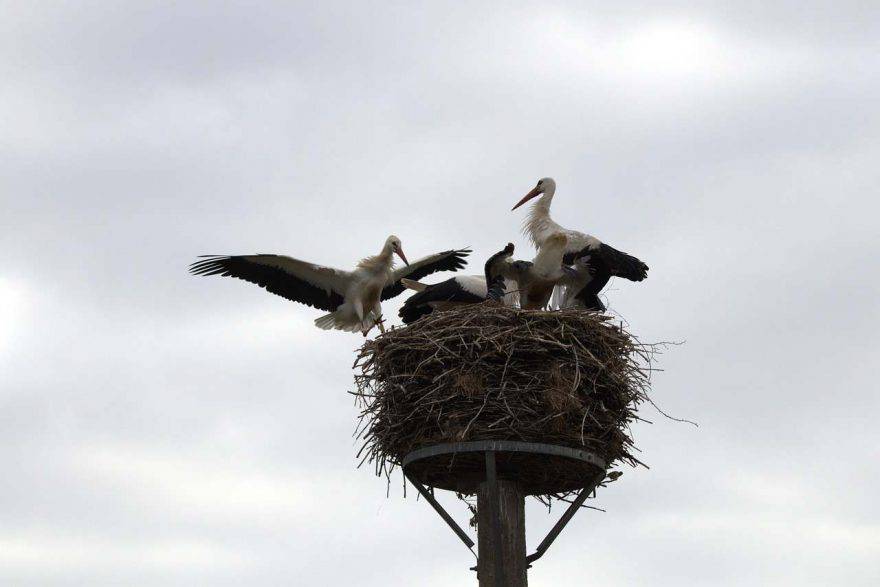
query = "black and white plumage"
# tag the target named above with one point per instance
(455, 291)
(352, 298)
(496, 272)
(458, 290)
(538, 226)
(585, 280)
(536, 280)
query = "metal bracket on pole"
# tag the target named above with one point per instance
(443, 513)
(489, 448)
(565, 519)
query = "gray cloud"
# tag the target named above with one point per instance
(157, 429)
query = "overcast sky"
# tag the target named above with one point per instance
(159, 429)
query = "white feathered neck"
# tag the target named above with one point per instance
(538, 225)
(384, 261)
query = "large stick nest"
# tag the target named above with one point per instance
(490, 372)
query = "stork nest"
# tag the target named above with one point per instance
(491, 372)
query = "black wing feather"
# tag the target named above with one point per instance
(495, 286)
(569, 258)
(273, 279)
(452, 260)
(589, 294)
(620, 264)
(590, 301)
(418, 304)
(623, 264)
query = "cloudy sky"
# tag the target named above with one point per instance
(157, 429)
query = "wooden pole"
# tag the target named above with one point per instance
(501, 531)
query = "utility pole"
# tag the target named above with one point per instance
(501, 531)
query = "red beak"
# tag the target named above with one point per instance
(402, 256)
(535, 191)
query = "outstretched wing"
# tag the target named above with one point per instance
(618, 263)
(299, 281)
(623, 264)
(445, 261)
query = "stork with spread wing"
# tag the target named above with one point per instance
(609, 262)
(352, 298)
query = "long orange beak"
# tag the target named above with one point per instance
(402, 256)
(535, 191)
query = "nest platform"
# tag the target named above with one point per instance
(539, 469)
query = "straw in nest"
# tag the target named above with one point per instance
(491, 372)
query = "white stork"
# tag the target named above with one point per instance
(536, 280)
(352, 298)
(461, 289)
(538, 226)
(530, 283)
(583, 284)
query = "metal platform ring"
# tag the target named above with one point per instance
(503, 446)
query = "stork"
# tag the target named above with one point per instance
(535, 280)
(352, 298)
(539, 227)
(586, 279)
(461, 289)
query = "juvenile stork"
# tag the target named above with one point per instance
(461, 289)
(539, 227)
(535, 280)
(352, 298)
(586, 279)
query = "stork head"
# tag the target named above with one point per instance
(392, 243)
(545, 186)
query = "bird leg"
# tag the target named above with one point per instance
(380, 322)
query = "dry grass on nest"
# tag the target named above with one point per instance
(489, 372)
